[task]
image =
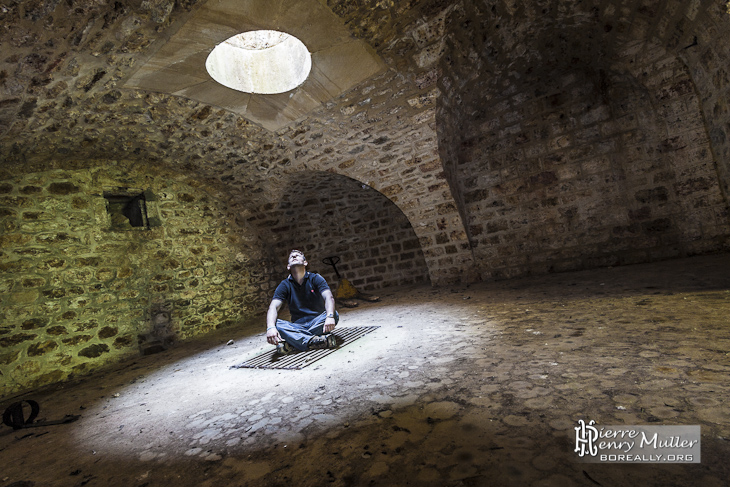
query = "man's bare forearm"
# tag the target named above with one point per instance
(271, 317)
(329, 305)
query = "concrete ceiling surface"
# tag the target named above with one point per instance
(339, 61)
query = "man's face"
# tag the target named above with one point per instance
(296, 258)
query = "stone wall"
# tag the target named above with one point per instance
(575, 162)
(61, 92)
(708, 61)
(81, 287)
(325, 214)
(383, 134)
(508, 137)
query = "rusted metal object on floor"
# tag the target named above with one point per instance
(299, 360)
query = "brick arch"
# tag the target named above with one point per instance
(327, 214)
(389, 143)
(422, 195)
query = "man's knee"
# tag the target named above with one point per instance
(283, 324)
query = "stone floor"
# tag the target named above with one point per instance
(458, 387)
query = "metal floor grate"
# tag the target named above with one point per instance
(299, 360)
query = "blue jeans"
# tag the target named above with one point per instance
(298, 334)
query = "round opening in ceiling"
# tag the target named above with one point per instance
(261, 61)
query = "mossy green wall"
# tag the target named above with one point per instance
(77, 294)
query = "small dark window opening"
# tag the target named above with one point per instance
(127, 210)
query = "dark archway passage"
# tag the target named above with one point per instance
(325, 214)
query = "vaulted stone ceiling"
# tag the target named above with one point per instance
(339, 62)
(64, 102)
(495, 139)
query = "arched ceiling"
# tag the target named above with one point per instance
(66, 66)
(339, 62)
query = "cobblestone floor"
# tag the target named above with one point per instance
(464, 386)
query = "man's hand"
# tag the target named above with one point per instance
(329, 325)
(272, 336)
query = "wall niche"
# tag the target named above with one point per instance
(130, 208)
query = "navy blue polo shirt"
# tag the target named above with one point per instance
(305, 301)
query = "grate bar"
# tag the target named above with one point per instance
(299, 360)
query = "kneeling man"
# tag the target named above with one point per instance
(312, 308)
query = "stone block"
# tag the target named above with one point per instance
(107, 332)
(62, 188)
(12, 340)
(34, 323)
(94, 351)
(23, 298)
(38, 349)
(56, 330)
(7, 358)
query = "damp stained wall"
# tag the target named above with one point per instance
(82, 288)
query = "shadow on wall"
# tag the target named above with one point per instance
(325, 214)
(600, 161)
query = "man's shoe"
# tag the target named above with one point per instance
(322, 342)
(283, 348)
(317, 343)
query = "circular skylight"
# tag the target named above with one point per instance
(261, 61)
